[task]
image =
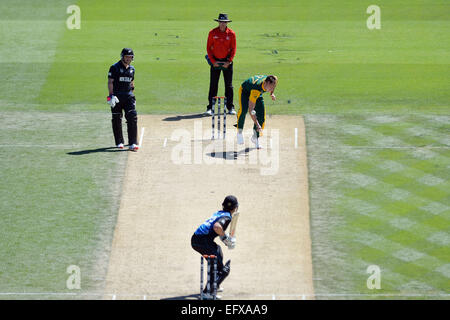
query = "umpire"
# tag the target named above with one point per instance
(202, 240)
(121, 99)
(221, 49)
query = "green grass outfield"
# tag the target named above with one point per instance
(376, 106)
(380, 196)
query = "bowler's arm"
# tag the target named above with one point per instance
(251, 108)
(272, 95)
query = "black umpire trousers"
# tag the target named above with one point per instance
(214, 85)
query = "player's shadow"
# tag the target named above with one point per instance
(188, 297)
(229, 155)
(88, 151)
(185, 117)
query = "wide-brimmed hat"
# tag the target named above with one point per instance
(223, 17)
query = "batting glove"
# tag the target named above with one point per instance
(112, 100)
(230, 242)
(233, 243)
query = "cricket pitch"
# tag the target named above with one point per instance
(179, 178)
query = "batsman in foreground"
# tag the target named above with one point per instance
(251, 100)
(202, 240)
(121, 99)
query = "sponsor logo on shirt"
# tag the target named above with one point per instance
(125, 79)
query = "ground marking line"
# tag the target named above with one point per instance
(335, 147)
(393, 147)
(142, 136)
(40, 146)
(114, 296)
(296, 138)
(379, 148)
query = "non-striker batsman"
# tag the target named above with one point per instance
(122, 100)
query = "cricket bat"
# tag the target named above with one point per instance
(233, 224)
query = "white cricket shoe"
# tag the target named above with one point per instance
(208, 112)
(120, 146)
(255, 140)
(240, 138)
(232, 111)
(134, 147)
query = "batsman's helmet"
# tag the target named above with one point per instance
(229, 203)
(127, 52)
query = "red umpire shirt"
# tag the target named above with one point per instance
(221, 45)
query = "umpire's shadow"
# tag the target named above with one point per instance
(88, 151)
(186, 117)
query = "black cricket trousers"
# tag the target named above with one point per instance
(206, 245)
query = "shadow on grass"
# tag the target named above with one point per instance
(83, 152)
(186, 117)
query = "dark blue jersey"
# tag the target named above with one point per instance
(207, 228)
(122, 78)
